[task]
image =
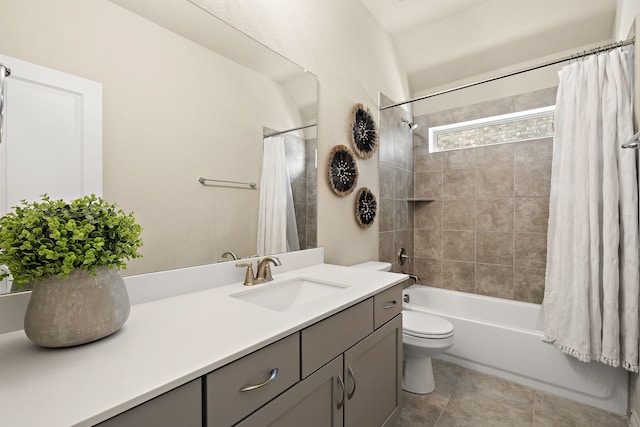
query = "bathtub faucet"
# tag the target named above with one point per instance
(415, 278)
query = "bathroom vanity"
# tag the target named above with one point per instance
(222, 357)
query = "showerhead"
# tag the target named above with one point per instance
(412, 126)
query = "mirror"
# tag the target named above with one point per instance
(185, 96)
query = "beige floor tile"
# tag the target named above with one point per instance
(555, 411)
(466, 398)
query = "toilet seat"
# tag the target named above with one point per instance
(424, 325)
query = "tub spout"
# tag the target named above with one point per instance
(415, 278)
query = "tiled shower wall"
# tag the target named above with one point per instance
(395, 214)
(485, 233)
(301, 155)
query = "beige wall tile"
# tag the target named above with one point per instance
(386, 214)
(403, 216)
(387, 176)
(491, 155)
(494, 215)
(458, 184)
(387, 250)
(494, 280)
(428, 243)
(459, 159)
(403, 184)
(536, 99)
(428, 185)
(427, 162)
(385, 146)
(429, 271)
(458, 215)
(428, 215)
(459, 245)
(528, 284)
(494, 181)
(532, 214)
(536, 150)
(494, 248)
(531, 250)
(532, 179)
(458, 276)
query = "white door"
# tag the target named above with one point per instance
(53, 135)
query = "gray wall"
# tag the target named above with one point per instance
(485, 232)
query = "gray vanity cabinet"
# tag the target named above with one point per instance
(352, 373)
(343, 371)
(181, 406)
(317, 401)
(373, 377)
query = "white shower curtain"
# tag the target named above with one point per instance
(277, 229)
(592, 277)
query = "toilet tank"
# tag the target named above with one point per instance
(374, 265)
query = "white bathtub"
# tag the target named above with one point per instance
(504, 338)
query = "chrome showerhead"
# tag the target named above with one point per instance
(412, 126)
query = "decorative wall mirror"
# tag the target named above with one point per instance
(185, 96)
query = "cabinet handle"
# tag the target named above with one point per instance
(390, 304)
(353, 390)
(274, 374)
(341, 384)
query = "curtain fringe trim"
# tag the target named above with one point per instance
(586, 358)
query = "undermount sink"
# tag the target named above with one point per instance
(288, 293)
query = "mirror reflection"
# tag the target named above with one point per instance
(184, 96)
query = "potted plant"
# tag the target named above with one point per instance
(69, 253)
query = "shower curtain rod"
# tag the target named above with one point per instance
(521, 71)
(287, 131)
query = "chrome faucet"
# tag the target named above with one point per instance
(264, 270)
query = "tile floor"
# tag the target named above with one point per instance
(466, 398)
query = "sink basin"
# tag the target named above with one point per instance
(288, 293)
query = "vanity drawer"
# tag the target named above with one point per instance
(386, 305)
(227, 403)
(326, 339)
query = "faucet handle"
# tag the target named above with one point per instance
(267, 273)
(248, 277)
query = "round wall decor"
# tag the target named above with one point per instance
(343, 172)
(366, 207)
(363, 132)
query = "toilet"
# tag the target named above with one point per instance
(423, 336)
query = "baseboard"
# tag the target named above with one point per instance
(634, 419)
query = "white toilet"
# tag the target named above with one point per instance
(423, 336)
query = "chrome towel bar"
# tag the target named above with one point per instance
(204, 181)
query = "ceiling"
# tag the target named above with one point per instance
(442, 41)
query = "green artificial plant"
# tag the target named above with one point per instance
(54, 237)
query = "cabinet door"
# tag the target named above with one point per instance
(317, 401)
(179, 407)
(373, 377)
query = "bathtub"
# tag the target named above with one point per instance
(504, 338)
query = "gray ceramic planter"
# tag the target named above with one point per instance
(76, 310)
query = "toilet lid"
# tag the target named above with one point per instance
(426, 325)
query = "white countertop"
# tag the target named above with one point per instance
(164, 344)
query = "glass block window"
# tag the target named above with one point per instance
(513, 127)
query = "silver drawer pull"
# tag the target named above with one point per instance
(353, 378)
(390, 304)
(274, 374)
(341, 384)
